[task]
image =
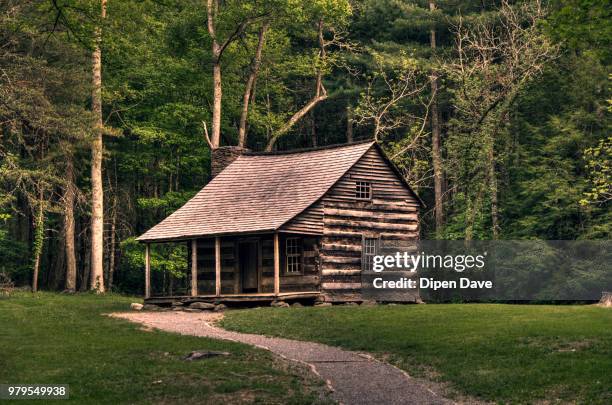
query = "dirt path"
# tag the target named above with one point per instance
(354, 378)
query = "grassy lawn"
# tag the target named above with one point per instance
(51, 338)
(502, 353)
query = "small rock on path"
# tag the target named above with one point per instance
(354, 378)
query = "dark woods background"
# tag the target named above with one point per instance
(497, 113)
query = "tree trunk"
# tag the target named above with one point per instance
(435, 138)
(493, 190)
(39, 237)
(313, 131)
(248, 90)
(211, 9)
(349, 124)
(113, 244)
(85, 256)
(97, 192)
(69, 194)
(472, 208)
(217, 96)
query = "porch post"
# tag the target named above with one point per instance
(276, 265)
(217, 266)
(194, 267)
(147, 271)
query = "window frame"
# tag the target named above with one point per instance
(299, 255)
(360, 188)
(365, 263)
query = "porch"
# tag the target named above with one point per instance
(259, 298)
(240, 268)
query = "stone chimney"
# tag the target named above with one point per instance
(222, 156)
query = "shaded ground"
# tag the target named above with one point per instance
(354, 378)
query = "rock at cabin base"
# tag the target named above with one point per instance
(191, 310)
(350, 304)
(368, 303)
(136, 306)
(202, 305)
(203, 354)
(177, 304)
(297, 305)
(151, 307)
(323, 304)
(279, 304)
(220, 308)
(178, 308)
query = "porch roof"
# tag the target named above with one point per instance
(259, 192)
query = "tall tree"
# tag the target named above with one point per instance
(436, 157)
(97, 154)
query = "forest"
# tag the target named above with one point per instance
(497, 112)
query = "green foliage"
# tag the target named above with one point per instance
(167, 258)
(598, 165)
(14, 263)
(169, 203)
(168, 262)
(583, 24)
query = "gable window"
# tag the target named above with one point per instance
(293, 254)
(363, 190)
(369, 250)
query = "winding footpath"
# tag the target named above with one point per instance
(353, 378)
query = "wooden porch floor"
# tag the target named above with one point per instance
(235, 298)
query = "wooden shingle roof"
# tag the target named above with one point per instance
(259, 192)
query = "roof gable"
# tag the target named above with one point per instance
(374, 166)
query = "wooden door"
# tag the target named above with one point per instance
(249, 260)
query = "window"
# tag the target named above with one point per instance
(363, 190)
(294, 256)
(369, 250)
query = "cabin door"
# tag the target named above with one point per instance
(248, 266)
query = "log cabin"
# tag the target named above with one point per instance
(293, 225)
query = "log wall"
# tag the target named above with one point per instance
(392, 213)
(206, 266)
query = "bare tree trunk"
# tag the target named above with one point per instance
(349, 124)
(211, 8)
(217, 97)
(69, 194)
(97, 191)
(435, 137)
(248, 90)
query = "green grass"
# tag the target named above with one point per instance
(501, 353)
(60, 339)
